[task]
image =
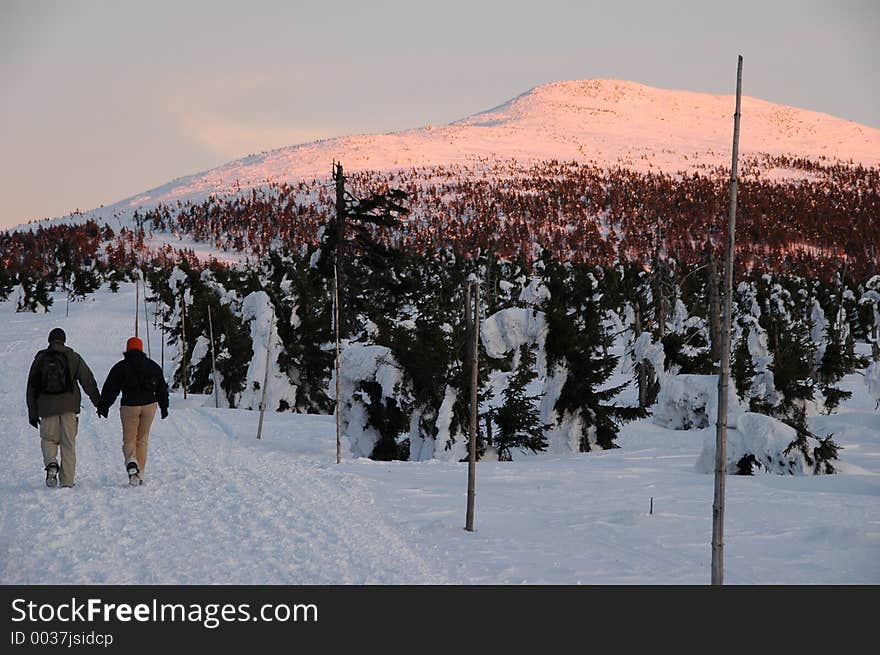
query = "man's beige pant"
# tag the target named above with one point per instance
(136, 422)
(55, 431)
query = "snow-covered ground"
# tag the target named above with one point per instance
(221, 507)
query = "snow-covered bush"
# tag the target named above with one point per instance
(257, 310)
(872, 379)
(371, 386)
(33, 296)
(761, 443)
(690, 402)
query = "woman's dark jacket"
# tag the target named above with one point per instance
(139, 379)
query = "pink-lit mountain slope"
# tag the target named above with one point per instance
(604, 122)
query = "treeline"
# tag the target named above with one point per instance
(554, 336)
(585, 274)
(580, 213)
(76, 258)
(548, 369)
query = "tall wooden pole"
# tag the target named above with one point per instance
(339, 281)
(473, 324)
(146, 315)
(266, 376)
(163, 346)
(213, 359)
(714, 308)
(183, 343)
(137, 303)
(339, 176)
(338, 367)
(724, 375)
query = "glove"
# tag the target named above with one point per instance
(164, 412)
(34, 421)
(103, 410)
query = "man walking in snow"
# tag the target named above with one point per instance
(53, 402)
(144, 390)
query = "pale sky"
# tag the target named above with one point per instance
(103, 100)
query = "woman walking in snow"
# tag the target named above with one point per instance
(144, 390)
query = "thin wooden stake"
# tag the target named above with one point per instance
(338, 401)
(724, 375)
(213, 359)
(146, 315)
(473, 323)
(183, 359)
(137, 304)
(266, 376)
(341, 216)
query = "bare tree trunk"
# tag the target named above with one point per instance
(163, 347)
(642, 374)
(338, 367)
(714, 308)
(146, 315)
(183, 358)
(266, 376)
(339, 256)
(659, 292)
(213, 359)
(137, 303)
(724, 375)
(660, 307)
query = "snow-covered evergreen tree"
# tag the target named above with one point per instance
(426, 339)
(84, 280)
(388, 418)
(794, 352)
(33, 296)
(632, 294)
(577, 341)
(751, 356)
(517, 419)
(686, 342)
(869, 304)
(872, 381)
(7, 281)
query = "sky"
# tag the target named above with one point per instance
(104, 100)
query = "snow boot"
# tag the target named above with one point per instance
(52, 475)
(133, 479)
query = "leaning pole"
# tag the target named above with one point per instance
(724, 374)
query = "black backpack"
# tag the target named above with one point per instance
(55, 373)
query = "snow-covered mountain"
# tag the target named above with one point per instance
(605, 122)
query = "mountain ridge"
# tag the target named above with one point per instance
(605, 122)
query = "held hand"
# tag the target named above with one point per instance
(164, 411)
(35, 422)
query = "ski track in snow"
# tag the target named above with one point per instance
(216, 507)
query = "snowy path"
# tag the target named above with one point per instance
(217, 508)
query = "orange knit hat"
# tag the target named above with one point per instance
(134, 344)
